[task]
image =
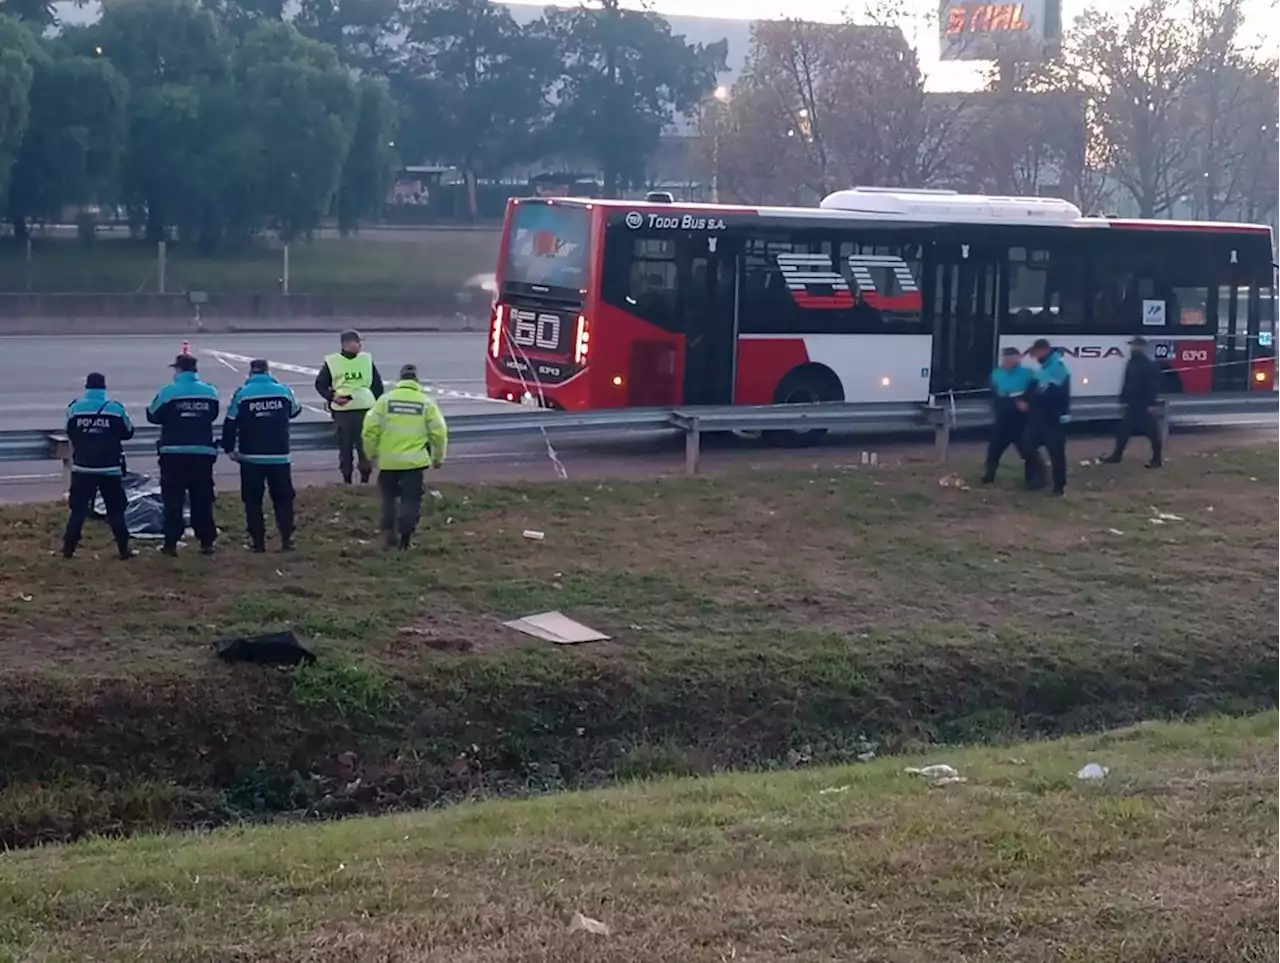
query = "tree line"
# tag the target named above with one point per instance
(218, 119)
(1163, 110)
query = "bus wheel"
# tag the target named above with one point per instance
(805, 386)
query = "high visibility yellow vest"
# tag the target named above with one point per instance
(405, 429)
(354, 377)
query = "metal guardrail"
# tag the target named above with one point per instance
(942, 415)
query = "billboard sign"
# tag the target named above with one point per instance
(992, 31)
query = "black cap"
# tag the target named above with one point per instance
(258, 366)
(1041, 344)
(1138, 341)
(95, 380)
(184, 362)
(409, 372)
(350, 336)
(1011, 352)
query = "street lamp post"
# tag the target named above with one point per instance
(721, 95)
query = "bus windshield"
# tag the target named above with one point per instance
(548, 246)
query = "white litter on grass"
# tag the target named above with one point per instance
(937, 771)
(833, 790)
(1166, 517)
(533, 536)
(436, 494)
(585, 924)
(1092, 772)
(1115, 531)
(556, 627)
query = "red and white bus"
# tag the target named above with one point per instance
(876, 295)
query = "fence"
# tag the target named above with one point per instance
(943, 416)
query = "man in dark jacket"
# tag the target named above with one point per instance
(1139, 395)
(1050, 409)
(258, 422)
(97, 427)
(185, 409)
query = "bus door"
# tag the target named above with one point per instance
(965, 290)
(709, 310)
(1231, 346)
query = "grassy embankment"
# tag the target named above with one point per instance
(1170, 858)
(382, 263)
(757, 619)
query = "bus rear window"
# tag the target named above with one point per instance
(548, 246)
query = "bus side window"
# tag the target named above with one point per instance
(1044, 291)
(642, 278)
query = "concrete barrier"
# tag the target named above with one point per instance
(63, 314)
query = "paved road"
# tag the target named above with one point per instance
(42, 374)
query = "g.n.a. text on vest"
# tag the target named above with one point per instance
(405, 407)
(264, 406)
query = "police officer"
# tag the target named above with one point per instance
(349, 381)
(1010, 383)
(185, 409)
(1049, 410)
(1139, 394)
(404, 433)
(97, 426)
(258, 422)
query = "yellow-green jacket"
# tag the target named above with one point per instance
(405, 429)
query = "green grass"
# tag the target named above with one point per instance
(754, 618)
(1170, 858)
(396, 263)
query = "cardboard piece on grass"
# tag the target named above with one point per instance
(556, 627)
(272, 648)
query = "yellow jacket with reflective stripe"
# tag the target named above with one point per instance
(405, 429)
(354, 377)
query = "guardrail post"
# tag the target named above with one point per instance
(62, 451)
(692, 445)
(942, 434)
(1162, 422)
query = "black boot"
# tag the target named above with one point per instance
(126, 553)
(405, 539)
(68, 551)
(1111, 459)
(170, 549)
(286, 543)
(364, 477)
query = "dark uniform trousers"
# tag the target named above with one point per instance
(84, 487)
(182, 478)
(1010, 428)
(1051, 435)
(401, 501)
(349, 427)
(1138, 420)
(255, 481)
